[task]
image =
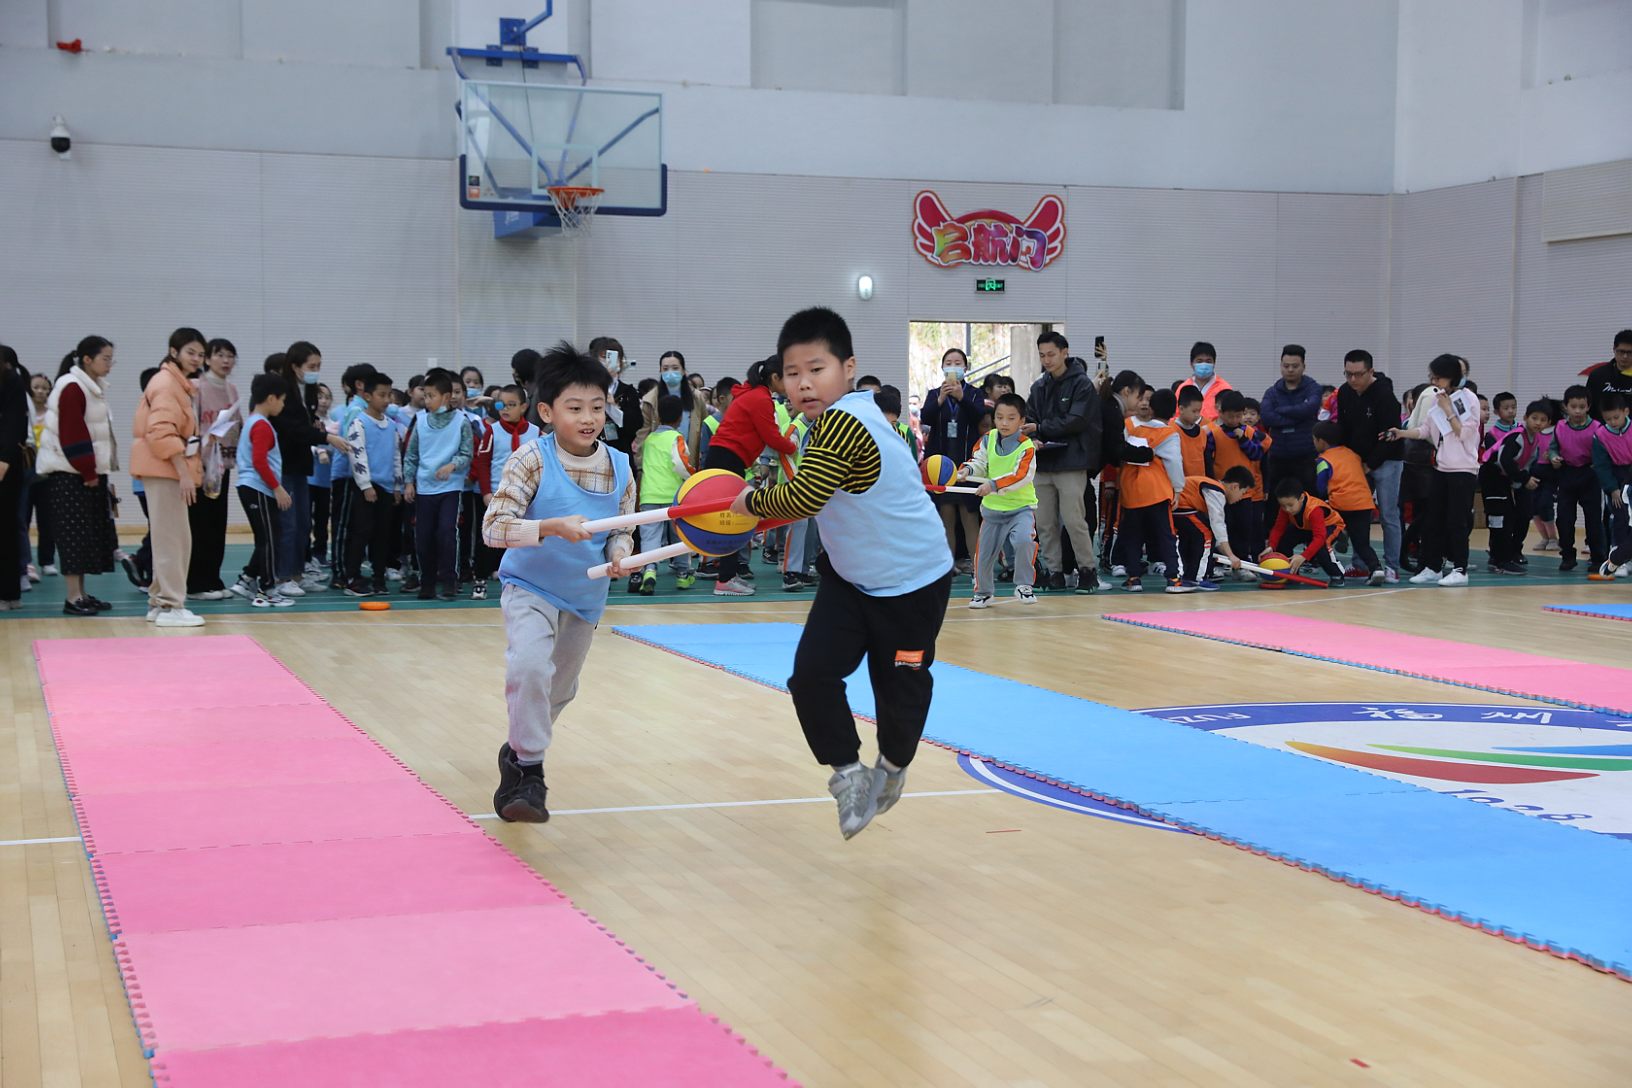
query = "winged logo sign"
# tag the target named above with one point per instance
(988, 236)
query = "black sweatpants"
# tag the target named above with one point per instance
(343, 498)
(1578, 486)
(436, 538)
(1195, 543)
(721, 457)
(469, 532)
(1293, 536)
(207, 518)
(1506, 526)
(1153, 526)
(1358, 523)
(11, 541)
(896, 635)
(370, 532)
(318, 546)
(265, 521)
(1449, 518)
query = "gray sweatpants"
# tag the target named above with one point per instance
(544, 652)
(1061, 499)
(1016, 527)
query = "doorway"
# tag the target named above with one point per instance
(991, 348)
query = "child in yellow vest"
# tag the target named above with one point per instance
(665, 465)
(1007, 461)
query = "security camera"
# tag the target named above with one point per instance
(61, 142)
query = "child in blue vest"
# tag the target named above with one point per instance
(886, 570)
(550, 487)
(500, 438)
(438, 457)
(665, 465)
(468, 529)
(376, 474)
(260, 472)
(342, 489)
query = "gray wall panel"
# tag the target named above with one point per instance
(1331, 277)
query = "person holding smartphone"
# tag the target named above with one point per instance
(951, 418)
(1452, 426)
(623, 415)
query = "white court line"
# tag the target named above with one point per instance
(1020, 791)
(729, 804)
(31, 842)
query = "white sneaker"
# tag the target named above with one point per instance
(856, 789)
(33, 573)
(1375, 578)
(244, 588)
(209, 595)
(178, 617)
(1454, 578)
(1024, 595)
(1391, 577)
(981, 600)
(1159, 568)
(49, 570)
(26, 584)
(291, 589)
(313, 568)
(152, 613)
(1425, 577)
(310, 585)
(736, 587)
(1624, 570)
(393, 575)
(1119, 571)
(1244, 575)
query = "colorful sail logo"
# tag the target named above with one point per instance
(988, 237)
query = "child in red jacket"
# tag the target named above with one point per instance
(748, 427)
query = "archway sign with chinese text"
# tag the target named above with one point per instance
(1570, 766)
(987, 236)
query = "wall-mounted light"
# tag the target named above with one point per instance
(864, 287)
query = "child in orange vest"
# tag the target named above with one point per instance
(1340, 479)
(1195, 434)
(1309, 521)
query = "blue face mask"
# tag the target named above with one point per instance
(391, 410)
(1203, 371)
(673, 378)
(472, 392)
(310, 377)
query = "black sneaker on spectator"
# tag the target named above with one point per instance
(359, 589)
(1087, 580)
(410, 583)
(1056, 581)
(1132, 585)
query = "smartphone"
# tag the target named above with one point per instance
(611, 359)
(1099, 342)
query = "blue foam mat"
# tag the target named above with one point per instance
(1553, 884)
(1604, 611)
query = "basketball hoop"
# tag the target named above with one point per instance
(576, 205)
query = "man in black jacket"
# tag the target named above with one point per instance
(1366, 407)
(1063, 418)
(1614, 376)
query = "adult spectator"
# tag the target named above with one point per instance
(671, 372)
(298, 431)
(207, 517)
(1614, 376)
(77, 452)
(623, 415)
(1289, 411)
(1366, 407)
(14, 432)
(1204, 376)
(165, 457)
(951, 418)
(1063, 417)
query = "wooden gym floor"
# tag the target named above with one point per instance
(1070, 951)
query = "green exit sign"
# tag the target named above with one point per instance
(984, 286)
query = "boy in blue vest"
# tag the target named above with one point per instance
(665, 465)
(376, 473)
(260, 470)
(439, 452)
(886, 570)
(550, 487)
(1006, 461)
(348, 405)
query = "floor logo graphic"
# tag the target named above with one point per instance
(1568, 766)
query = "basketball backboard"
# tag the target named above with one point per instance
(518, 139)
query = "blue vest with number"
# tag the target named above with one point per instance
(554, 568)
(247, 476)
(887, 541)
(438, 448)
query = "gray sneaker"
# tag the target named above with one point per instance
(891, 785)
(856, 789)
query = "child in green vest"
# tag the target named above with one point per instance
(665, 465)
(1007, 461)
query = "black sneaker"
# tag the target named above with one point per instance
(745, 573)
(1005, 575)
(792, 583)
(1512, 566)
(521, 792)
(709, 570)
(450, 592)
(410, 584)
(360, 589)
(133, 572)
(1087, 580)
(97, 603)
(1567, 563)
(80, 607)
(1056, 581)
(634, 583)
(426, 593)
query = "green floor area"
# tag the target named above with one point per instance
(47, 595)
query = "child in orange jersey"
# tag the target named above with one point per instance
(1309, 521)
(1340, 479)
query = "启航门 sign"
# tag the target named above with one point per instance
(987, 236)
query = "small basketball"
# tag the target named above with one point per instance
(1274, 561)
(719, 533)
(374, 606)
(940, 471)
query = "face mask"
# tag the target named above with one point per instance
(673, 378)
(391, 410)
(472, 393)
(310, 377)
(953, 372)
(1203, 371)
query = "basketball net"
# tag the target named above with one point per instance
(576, 206)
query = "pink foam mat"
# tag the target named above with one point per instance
(1550, 679)
(255, 984)
(170, 690)
(248, 815)
(291, 906)
(135, 727)
(655, 1048)
(202, 766)
(169, 890)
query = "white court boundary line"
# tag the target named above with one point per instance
(625, 808)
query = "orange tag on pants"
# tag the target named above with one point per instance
(912, 659)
